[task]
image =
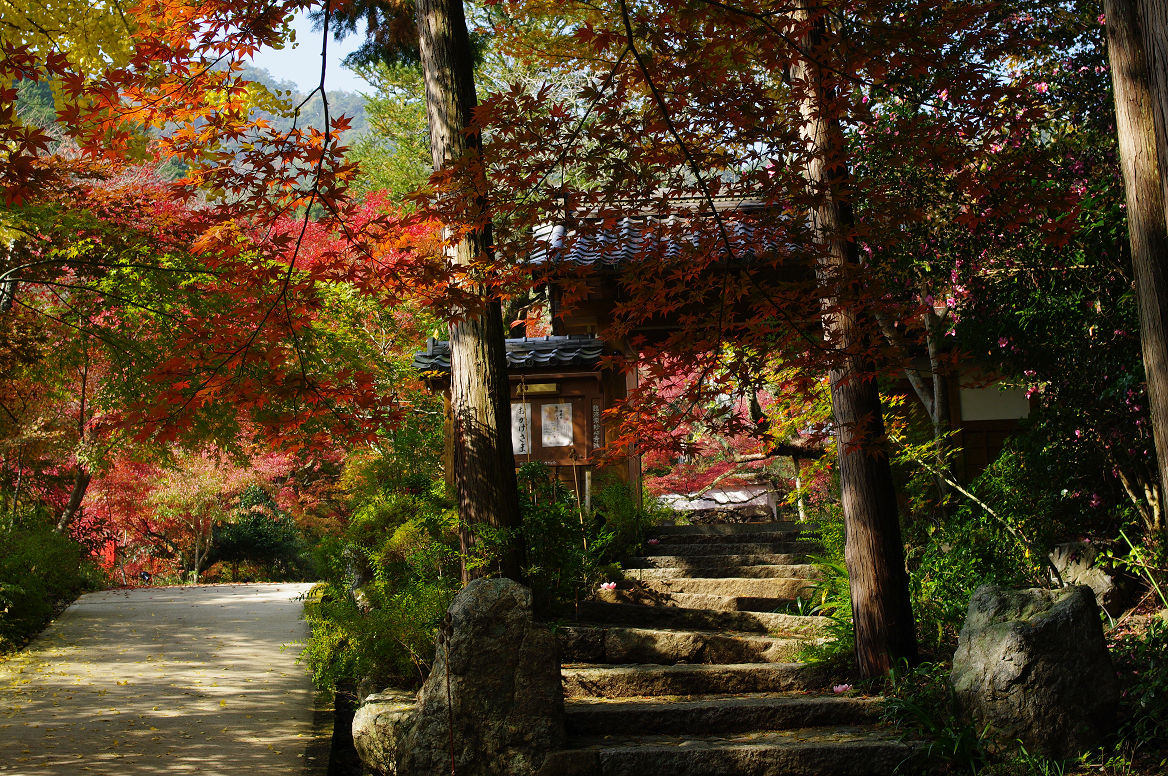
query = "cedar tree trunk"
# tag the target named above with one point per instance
(484, 469)
(1147, 230)
(1155, 32)
(881, 607)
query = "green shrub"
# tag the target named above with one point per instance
(1142, 662)
(386, 637)
(922, 702)
(403, 535)
(39, 571)
(262, 537)
(391, 575)
(616, 510)
(967, 546)
(830, 596)
(389, 579)
(566, 547)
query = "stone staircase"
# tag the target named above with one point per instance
(685, 669)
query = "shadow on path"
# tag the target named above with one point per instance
(163, 681)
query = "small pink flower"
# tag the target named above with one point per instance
(1042, 87)
(841, 688)
(653, 541)
(608, 585)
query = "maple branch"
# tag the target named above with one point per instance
(122, 14)
(246, 29)
(129, 302)
(691, 162)
(914, 378)
(574, 135)
(795, 450)
(723, 235)
(723, 476)
(1014, 532)
(871, 83)
(780, 450)
(319, 172)
(9, 413)
(69, 324)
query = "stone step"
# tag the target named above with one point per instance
(772, 587)
(724, 564)
(721, 603)
(732, 529)
(798, 570)
(625, 681)
(717, 715)
(597, 643)
(783, 546)
(723, 540)
(829, 751)
(702, 619)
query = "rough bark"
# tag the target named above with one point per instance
(1143, 187)
(1154, 17)
(480, 400)
(881, 608)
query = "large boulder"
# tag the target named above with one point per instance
(1033, 665)
(382, 727)
(493, 701)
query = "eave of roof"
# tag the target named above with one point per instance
(523, 354)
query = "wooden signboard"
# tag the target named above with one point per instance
(556, 418)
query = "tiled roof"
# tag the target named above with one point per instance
(522, 354)
(613, 244)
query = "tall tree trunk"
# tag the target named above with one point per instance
(1144, 190)
(1154, 17)
(881, 607)
(484, 464)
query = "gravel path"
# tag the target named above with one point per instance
(173, 680)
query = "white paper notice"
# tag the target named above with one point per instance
(521, 428)
(556, 420)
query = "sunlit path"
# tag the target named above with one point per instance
(162, 681)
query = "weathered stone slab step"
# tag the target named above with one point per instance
(729, 539)
(833, 751)
(773, 587)
(596, 643)
(721, 603)
(722, 563)
(625, 681)
(799, 570)
(730, 603)
(732, 529)
(702, 619)
(734, 548)
(723, 714)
